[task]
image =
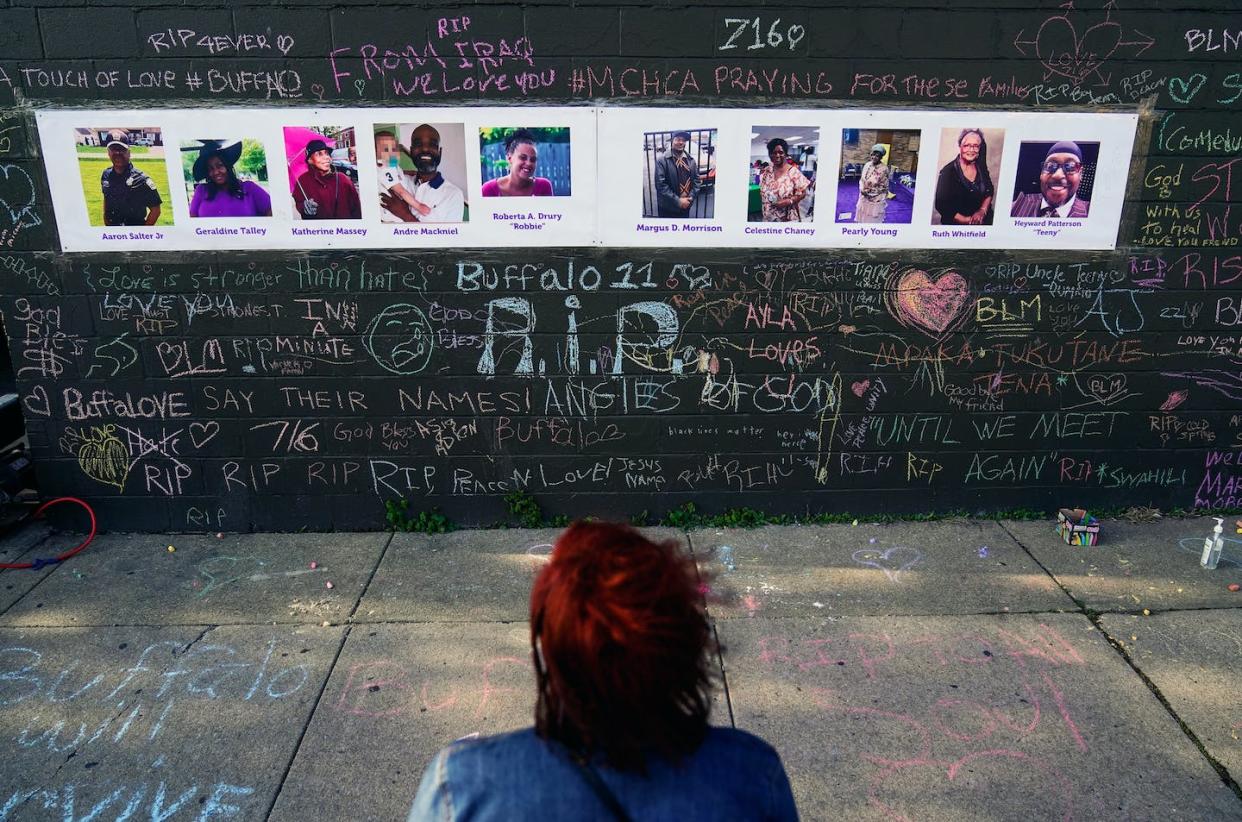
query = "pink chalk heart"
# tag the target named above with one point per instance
(932, 305)
(893, 562)
(1097, 44)
(1063, 52)
(859, 388)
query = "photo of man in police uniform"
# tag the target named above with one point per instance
(130, 197)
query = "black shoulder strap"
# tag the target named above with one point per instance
(601, 790)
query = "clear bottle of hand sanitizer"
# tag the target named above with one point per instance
(1212, 546)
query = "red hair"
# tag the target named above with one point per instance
(620, 640)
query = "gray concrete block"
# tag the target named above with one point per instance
(111, 723)
(398, 694)
(1192, 658)
(26, 544)
(905, 568)
(463, 576)
(963, 718)
(134, 579)
(1151, 565)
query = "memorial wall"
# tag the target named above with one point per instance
(272, 267)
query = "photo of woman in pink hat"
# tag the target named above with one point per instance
(321, 174)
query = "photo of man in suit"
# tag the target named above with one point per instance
(1060, 180)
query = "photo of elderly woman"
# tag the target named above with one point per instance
(965, 192)
(782, 174)
(525, 162)
(323, 172)
(679, 174)
(226, 177)
(879, 168)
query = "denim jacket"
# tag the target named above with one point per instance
(518, 776)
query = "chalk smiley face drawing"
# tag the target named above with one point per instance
(400, 339)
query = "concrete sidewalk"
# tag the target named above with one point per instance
(943, 671)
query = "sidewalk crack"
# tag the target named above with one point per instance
(196, 640)
(1093, 617)
(367, 585)
(310, 716)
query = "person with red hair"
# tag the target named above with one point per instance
(622, 652)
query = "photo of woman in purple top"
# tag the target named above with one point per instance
(221, 194)
(523, 156)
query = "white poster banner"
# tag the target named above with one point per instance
(862, 178)
(200, 179)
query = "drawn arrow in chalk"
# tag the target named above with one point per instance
(1018, 42)
(1147, 42)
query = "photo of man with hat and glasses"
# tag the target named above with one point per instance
(321, 192)
(1066, 172)
(130, 197)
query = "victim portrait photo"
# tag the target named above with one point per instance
(782, 174)
(124, 175)
(969, 160)
(679, 174)
(226, 177)
(525, 161)
(879, 168)
(323, 172)
(1054, 179)
(420, 172)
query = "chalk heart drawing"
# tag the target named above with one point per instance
(37, 402)
(17, 196)
(1064, 52)
(1184, 90)
(1106, 388)
(893, 561)
(202, 433)
(859, 388)
(101, 455)
(932, 305)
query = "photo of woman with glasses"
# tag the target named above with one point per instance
(1062, 186)
(964, 191)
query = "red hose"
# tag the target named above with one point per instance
(40, 563)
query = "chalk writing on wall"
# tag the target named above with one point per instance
(196, 392)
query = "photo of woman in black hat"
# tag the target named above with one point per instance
(218, 190)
